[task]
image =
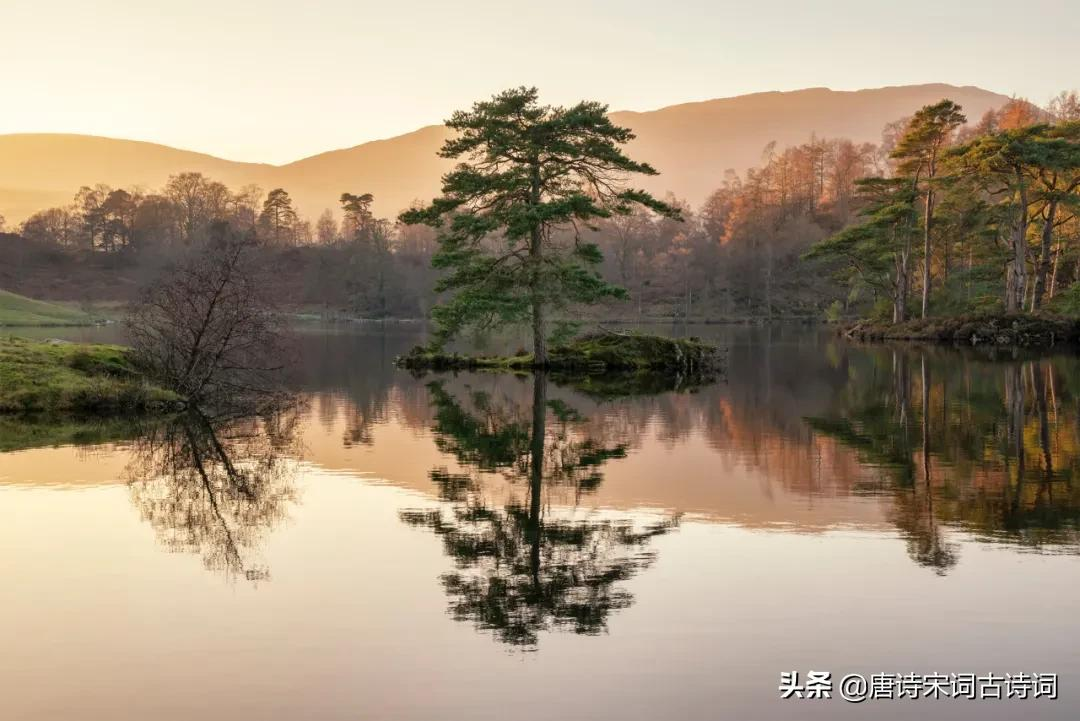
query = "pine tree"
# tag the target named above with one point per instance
(529, 172)
(927, 135)
(1013, 167)
(278, 217)
(876, 253)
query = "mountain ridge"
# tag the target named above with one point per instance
(691, 143)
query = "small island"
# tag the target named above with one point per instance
(591, 354)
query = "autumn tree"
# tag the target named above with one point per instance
(918, 152)
(528, 170)
(326, 228)
(246, 205)
(199, 201)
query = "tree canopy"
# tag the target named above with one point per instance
(512, 213)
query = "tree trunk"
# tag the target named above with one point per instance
(1054, 271)
(1014, 391)
(1042, 271)
(540, 355)
(536, 256)
(927, 221)
(1014, 286)
(926, 421)
(902, 283)
(1038, 385)
(536, 472)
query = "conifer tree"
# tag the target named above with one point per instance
(927, 135)
(511, 214)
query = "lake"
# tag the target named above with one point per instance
(488, 546)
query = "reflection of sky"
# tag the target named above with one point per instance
(352, 622)
(789, 557)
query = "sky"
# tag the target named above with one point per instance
(274, 81)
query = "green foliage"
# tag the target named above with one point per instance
(72, 377)
(881, 311)
(835, 311)
(927, 133)
(1068, 301)
(528, 171)
(864, 255)
(563, 331)
(970, 290)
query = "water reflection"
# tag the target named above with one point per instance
(531, 560)
(215, 486)
(989, 447)
(806, 434)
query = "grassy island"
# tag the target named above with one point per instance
(1023, 330)
(593, 354)
(61, 377)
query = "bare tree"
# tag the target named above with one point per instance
(207, 328)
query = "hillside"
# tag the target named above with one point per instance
(17, 310)
(691, 144)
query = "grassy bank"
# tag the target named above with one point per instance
(22, 431)
(17, 310)
(1022, 330)
(56, 376)
(589, 355)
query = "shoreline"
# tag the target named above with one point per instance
(1000, 330)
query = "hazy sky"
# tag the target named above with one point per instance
(274, 81)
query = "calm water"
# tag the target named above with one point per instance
(484, 546)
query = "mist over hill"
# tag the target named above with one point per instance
(692, 145)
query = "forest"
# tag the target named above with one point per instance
(946, 215)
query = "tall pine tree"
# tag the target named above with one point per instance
(511, 213)
(927, 135)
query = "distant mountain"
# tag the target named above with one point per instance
(691, 144)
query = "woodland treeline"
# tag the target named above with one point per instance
(968, 217)
(829, 226)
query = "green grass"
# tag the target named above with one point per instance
(17, 310)
(55, 376)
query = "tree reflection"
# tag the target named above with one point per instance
(978, 449)
(215, 485)
(525, 564)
